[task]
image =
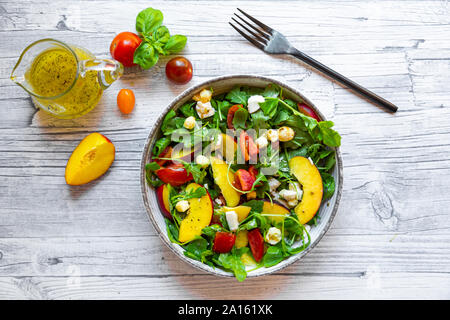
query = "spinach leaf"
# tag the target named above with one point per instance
(232, 261)
(196, 248)
(328, 185)
(256, 205)
(273, 256)
(240, 117)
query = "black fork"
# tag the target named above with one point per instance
(271, 41)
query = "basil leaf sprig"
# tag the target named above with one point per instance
(156, 39)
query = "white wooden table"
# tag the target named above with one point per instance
(391, 236)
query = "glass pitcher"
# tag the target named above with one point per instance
(64, 80)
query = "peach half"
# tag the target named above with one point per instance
(90, 159)
(199, 215)
(309, 177)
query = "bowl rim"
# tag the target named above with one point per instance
(197, 264)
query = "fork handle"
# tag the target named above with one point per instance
(344, 80)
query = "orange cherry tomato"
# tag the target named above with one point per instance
(126, 100)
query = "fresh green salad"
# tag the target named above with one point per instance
(240, 176)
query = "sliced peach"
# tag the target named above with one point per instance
(241, 239)
(185, 155)
(221, 177)
(227, 146)
(90, 159)
(275, 211)
(241, 211)
(162, 194)
(309, 177)
(199, 215)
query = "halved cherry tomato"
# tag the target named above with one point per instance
(254, 173)
(256, 242)
(246, 180)
(123, 46)
(175, 174)
(126, 100)
(248, 147)
(307, 110)
(230, 115)
(224, 242)
(166, 153)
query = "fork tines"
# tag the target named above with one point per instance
(257, 32)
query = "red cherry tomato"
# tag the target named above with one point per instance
(246, 180)
(179, 70)
(123, 46)
(166, 153)
(248, 147)
(256, 242)
(175, 174)
(224, 242)
(231, 113)
(307, 110)
(254, 172)
(126, 100)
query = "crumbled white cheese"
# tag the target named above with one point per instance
(182, 206)
(295, 186)
(273, 236)
(202, 161)
(273, 184)
(272, 135)
(204, 110)
(261, 142)
(288, 194)
(292, 203)
(253, 103)
(232, 220)
(189, 123)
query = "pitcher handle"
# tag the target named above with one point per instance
(108, 70)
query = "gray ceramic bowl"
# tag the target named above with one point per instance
(223, 84)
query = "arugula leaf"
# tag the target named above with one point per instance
(237, 96)
(197, 172)
(187, 109)
(271, 91)
(160, 145)
(269, 107)
(171, 114)
(329, 137)
(259, 120)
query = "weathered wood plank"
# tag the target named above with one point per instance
(390, 237)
